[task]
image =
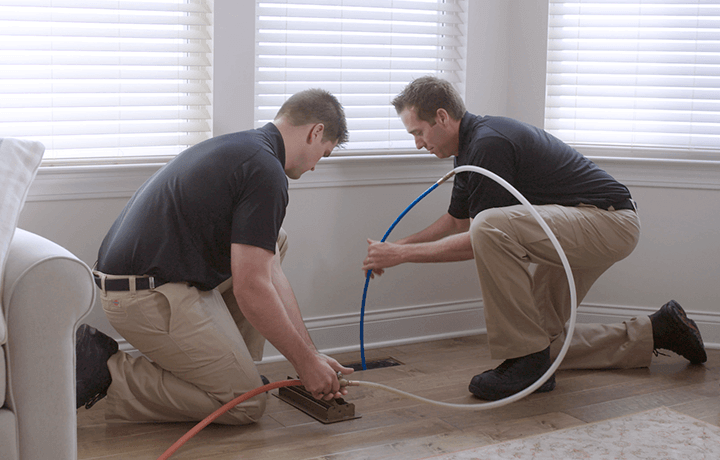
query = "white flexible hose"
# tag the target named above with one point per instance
(571, 323)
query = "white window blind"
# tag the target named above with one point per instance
(639, 78)
(362, 51)
(105, 79)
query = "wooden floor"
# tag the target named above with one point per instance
(392, 427)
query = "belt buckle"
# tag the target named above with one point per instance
(151, 281)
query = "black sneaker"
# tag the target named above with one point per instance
(674, 331)
(92, 376)
(513, 376)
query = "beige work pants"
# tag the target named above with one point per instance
(199, 353)
(525, 292)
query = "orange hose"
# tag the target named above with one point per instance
(226, 407)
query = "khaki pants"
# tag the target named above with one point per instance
(199, 354)
(525, 291)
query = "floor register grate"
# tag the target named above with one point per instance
(335, 410)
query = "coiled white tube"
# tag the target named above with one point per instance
(571, 323)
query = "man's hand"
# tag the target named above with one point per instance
(446, 240)
(319, 376)
(381, 256)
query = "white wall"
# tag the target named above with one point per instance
(346, 200)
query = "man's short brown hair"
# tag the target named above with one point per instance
(317, 106)
(426, 95)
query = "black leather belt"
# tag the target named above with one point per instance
(626, 204)
(123, 284)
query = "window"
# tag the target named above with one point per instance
(105, 80)
(362, 51)
(638, 78)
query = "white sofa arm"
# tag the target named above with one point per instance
(47, 291)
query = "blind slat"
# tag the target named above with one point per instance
(332, 64)
(82, 102)
(76, 59)
(93, 142)
(96, 128)
(29, 17)
(142, 114)
(397, 5)
(99, 87)
(315, 78)
(101, 31)
(56, 46)
(317, 37)
(350, 15)
(370, 27)
(190, 6)
(54, 73)
(363, 51)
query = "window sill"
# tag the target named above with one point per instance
(54, 183)
(666, 173)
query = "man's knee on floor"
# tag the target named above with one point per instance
(246, 413)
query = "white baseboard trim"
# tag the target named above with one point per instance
(398, 326)
(405, 325)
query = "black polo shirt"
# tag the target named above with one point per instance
(541, 167)
(180, 224)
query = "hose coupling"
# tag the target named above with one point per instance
(345, 382)
(446, 177)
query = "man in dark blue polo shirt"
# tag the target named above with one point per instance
(190, 275)
(525, 292)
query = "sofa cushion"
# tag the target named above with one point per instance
(19, 161)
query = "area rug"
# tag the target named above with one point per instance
(658, 434)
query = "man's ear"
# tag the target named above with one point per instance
(316, 132)
(442, 117)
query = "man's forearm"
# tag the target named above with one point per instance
(445, 226)
(429, 245)
(452, 248)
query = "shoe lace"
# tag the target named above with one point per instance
(658, 353)
(94, 399)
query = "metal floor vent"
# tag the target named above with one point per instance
(375, 364)
(335, 410)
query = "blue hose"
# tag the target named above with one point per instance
(369, 272)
